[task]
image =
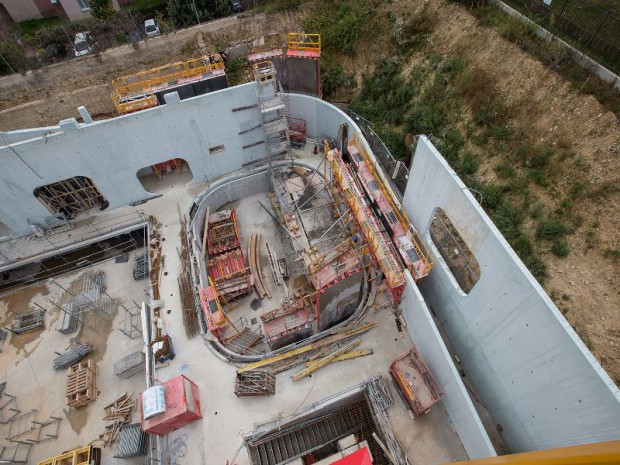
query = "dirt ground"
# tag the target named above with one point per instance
(549, 110)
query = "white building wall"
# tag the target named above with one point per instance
(532, 371)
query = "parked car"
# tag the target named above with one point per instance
(151, 28)
(83, 44)
(236, 6)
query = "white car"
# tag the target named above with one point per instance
(151, 28)
(83, 43)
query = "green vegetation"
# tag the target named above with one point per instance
(551, 229)
(334, 78)
(183, 14)
(27, 30)
(137, 5)
(560, 248)
(101, 9)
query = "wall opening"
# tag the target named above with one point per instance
(162, 176)
(71, 196)
(454, 250)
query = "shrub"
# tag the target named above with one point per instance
(504, 170)
(468, 164)
(333, 78)
(551, 229)
(560, 248)
(492, 194)
(508, 220)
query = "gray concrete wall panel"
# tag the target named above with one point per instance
(424, 333)
(534, 374)
(111, 152)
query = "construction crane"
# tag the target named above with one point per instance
(140, 91)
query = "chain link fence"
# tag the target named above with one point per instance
(593, 29)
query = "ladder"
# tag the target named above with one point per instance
(274, 111)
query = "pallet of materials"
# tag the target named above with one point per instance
(131, 442)
(28, 321)
(130, 365)
(82, 384)
(255, 383)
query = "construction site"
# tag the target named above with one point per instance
(230, 275)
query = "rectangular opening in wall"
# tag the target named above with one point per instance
(216, 149)
(71, 196)
(454, 250)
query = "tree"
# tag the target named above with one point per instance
(101, 9)
(183, 12)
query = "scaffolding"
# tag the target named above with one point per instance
(138, 91)
(273, 110)
(410, 245)
(376, 239)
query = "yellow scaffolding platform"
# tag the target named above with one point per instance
(137, 91)
(88, 455)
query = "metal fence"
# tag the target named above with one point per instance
(395, 170)
(595, 30)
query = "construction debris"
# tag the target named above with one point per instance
(72, 356)
(301, 355)
(82, 384)
(131, 442)
(141, 265)
(119, 412)
(314, 366)
(130, 365)
(255, 383)
(273, 262)
(28, 321)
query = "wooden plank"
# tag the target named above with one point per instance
(326, 360)
(338, 337)
(347, 356)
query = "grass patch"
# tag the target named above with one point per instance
(333, 78)
(504, 170)
(28, 29)
(508, 220)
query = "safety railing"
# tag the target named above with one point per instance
(304, 42)
(135, 92)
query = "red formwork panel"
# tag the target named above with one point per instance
(360, 457)
(182, 407)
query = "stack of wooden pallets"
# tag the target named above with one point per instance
(82, 384)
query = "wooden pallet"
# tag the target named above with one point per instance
(81, 386)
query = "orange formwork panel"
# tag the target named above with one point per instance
(379, 244)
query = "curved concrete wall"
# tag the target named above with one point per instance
(532, 371)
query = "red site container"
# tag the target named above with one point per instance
(182, 407)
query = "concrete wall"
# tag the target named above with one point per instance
(111, 152)
(532, 371)
(21, 10)
(426, 337)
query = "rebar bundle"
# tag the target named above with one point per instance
(141, 266)
(132, 442)
(73, 356)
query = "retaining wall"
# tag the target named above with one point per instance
(532, 371)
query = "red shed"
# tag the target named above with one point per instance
(182, 407)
